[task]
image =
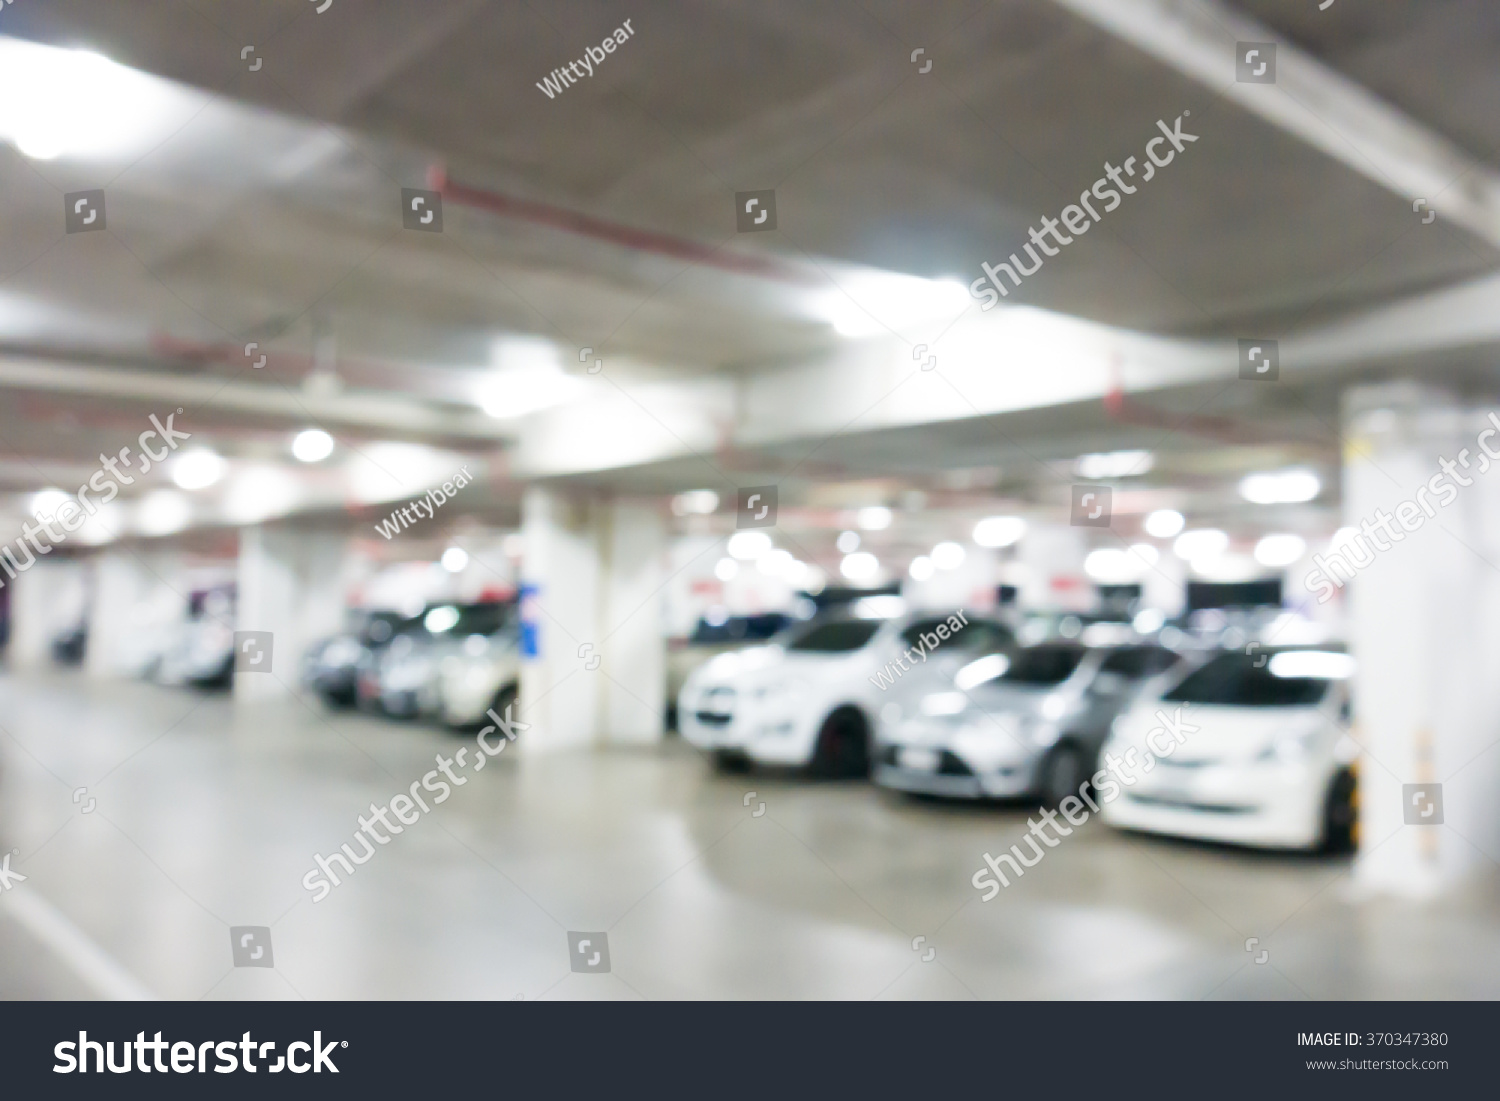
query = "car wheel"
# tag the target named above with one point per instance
(1341, 814)
(842, 749)
(731, 760)
(505, 698)
(1062, 773)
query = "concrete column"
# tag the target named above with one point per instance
(133, 607)
(49, 598)
(1048, 568)
(291, 582)
(1422, 628)
(592, 584)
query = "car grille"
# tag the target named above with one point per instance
(713, 718)
(949, 764)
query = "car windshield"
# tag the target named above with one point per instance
(738, 628)
(1138, 661)
(1042, 665)
(838, 637)
(1260, 679)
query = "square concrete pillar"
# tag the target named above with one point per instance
(593, 576)
(291, 582)
(1426, 706)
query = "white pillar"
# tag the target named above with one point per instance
(134, 604)
(1048, 568)
(592, 605)
(49, 598)
(291, 582)
(1425, 701)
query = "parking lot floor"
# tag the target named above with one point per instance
(149, 822)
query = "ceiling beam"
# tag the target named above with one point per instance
(1311, 101)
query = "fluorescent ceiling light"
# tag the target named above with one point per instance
(1112, 566)
(74, 103)
(873, 518)
(1279, 550)
(1164, 523)
(748, 545)
(198, 468)
(999, 531)
(726, 569)
(921, 568)
(455, 559)
(948, 556)
(312, 445)
(260, 493)
(48, 501)
(695, 502)
(441, 619)
(1199, 543)
(869, 303)
(1115, 464)
(162, 512)
(1285, 487)
(847, 542)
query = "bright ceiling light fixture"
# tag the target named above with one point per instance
(1279, 550)
(47, 502)
(921, 568)
(162, 512)
(999, 531)
(869, 303)
(1112, 566)
(312, 445)
(198, 468)
(948, 556)
(455, 559)
(1200, 543)
(1164, 523)
(695, 502)
(1284, 487)
(860, 566)
(873, 518)
(74, 103)
(748, 545)
(528, 378)
(726, 569)
(847, 542)
(260, 493)
(1115, 464)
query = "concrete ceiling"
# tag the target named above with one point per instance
(272, 213)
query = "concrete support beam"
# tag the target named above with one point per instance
(49, 598)
(1310, 101)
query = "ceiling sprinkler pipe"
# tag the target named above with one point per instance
(641, 240)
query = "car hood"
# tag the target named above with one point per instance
(1211, 733)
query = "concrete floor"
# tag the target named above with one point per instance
(206, 817)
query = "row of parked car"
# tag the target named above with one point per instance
(450, 663)
(1228, 737)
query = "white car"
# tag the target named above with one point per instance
(483, 673)
(810, 698)
(1260, 754)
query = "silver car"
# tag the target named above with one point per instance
(1027, 722)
